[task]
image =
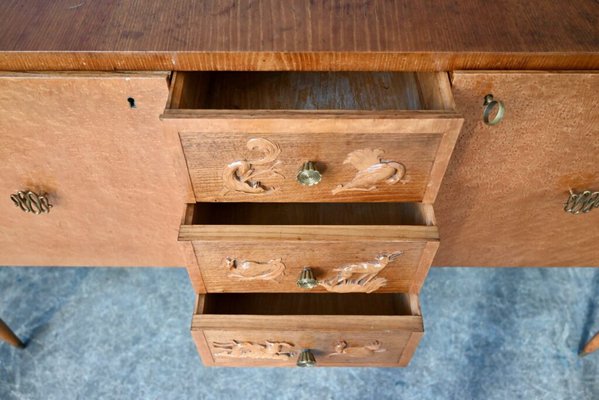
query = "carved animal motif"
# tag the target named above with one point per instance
(270, 350)
(253, 270)
(372, 170)
(243, 175)
(343, 349)
(366, 284)
(372, 267)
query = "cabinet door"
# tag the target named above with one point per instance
(94, 144)
(502, 200)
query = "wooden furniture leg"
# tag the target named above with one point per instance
(591, 346)
(8, 336)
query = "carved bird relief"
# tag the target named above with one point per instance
(366, 282)
(245, 270)
(372, 170)
(244, 176)
(269, 350)
(343, 349)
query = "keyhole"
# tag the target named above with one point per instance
(131, 101)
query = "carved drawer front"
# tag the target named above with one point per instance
(336, 330)
(314, 137)
(308, 247)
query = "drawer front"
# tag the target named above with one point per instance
(405, 163)
(502, 200)
(77, 139)
(282, 348)
(339, 330)
(343, 267)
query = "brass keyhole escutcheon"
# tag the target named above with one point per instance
(492, 107)
(31, 202)
(308, 175)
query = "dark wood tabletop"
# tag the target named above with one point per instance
(298, 34)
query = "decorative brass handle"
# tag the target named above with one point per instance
(489, 105)
(31, 202)
(306, 359)
(307, 279)
(581, 203)
(308, 175)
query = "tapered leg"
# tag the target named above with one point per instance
(591, 345)
(8, 336)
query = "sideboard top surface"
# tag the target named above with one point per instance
(298, 35)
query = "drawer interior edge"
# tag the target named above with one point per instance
(310, 91)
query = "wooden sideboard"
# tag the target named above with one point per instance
(304, 161)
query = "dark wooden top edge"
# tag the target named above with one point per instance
(294, 61)
(384, 35)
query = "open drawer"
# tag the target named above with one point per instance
(309, 247)
(313, 136)
(307, 329)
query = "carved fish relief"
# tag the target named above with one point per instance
(245, 270)
(343, 349)
(372, 170)
(268, 350)
(245, 176)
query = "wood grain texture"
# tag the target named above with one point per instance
(106, 168)
(324, 237)
(502, 199)
(256, 156)
(298, 35)
(315, 322)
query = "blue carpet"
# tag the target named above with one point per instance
(124, 334)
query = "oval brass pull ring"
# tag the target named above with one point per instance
(489, 105)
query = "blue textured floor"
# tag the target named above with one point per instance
(123, 334)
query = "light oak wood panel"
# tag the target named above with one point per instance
(108, 170)
(298, 34)
(382, 330)
(245, 138)
(502, 199)
(252, 247)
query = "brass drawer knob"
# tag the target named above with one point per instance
(31, 202)
(489, 105)
(308, 175)
(581, 203)
(307, 279)
(306, 359)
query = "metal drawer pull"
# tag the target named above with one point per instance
(306, 359)
(307, 279)
(581, 203)
(308, 175)
(489, 105)
(31, 202)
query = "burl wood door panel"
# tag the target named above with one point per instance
(502, 200)
(105, 166)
